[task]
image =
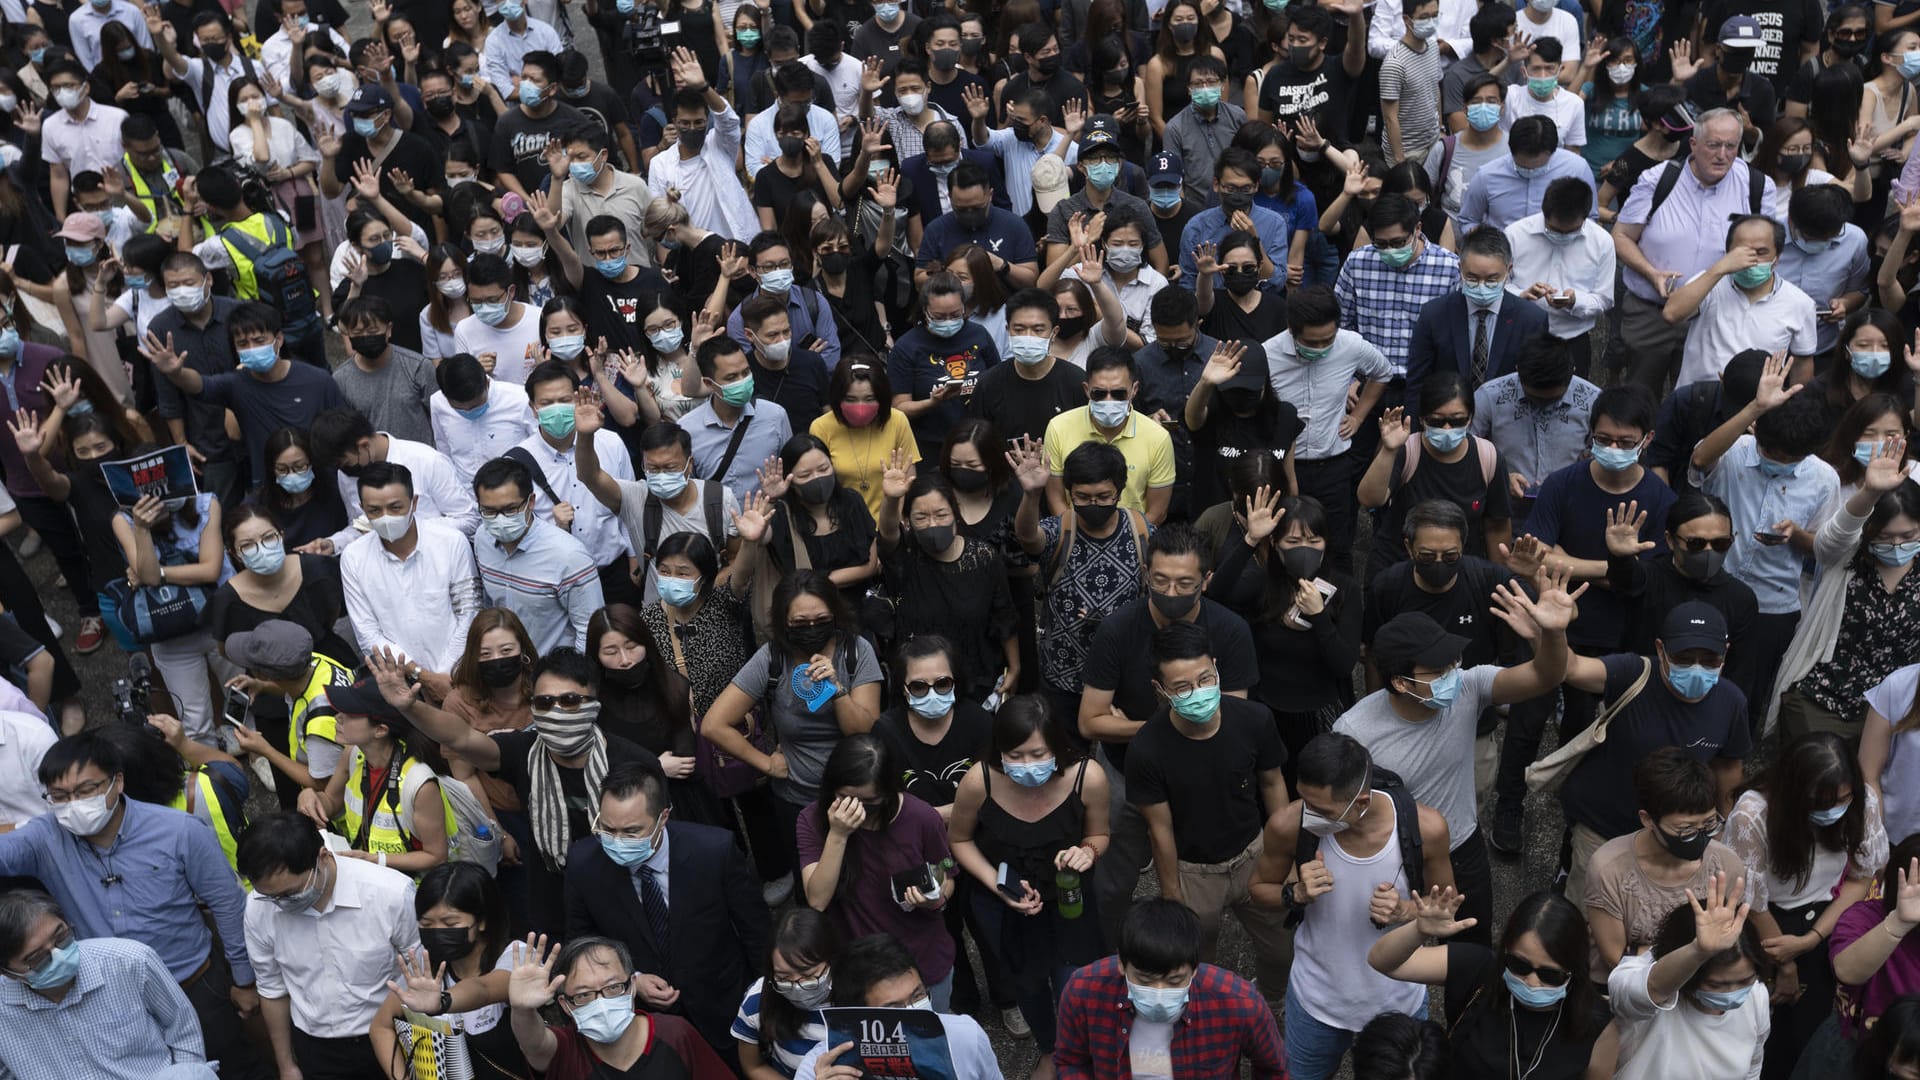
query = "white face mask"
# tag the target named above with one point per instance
(85, 817)
(529, 256)
(69, 97)
(912, 104)
(454, 288)
(391, 527)
(777, 351)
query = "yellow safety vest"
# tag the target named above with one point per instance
(205, 804)
(145, 194)
(245, 286)
(325, 673)
(392, 812)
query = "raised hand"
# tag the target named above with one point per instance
(545, 214)
(733, 261)
(160, 354)
(687, 73)
(1913, 351)
(705, 325)
(1206, 261)
(1356, 182)
(26, 432)
(976, 101)
(533, 984)
(751, 521)
(898, 475)
(1307, 134)
(886, 190)
(773, 477)
(390, 675)
(62, 386)
(1224, 364)
(1074, 115)
(1718, 922)
(1028, 460)
(1888, 469)
(1090, 268)
(1773, 391)
(589, 414)
(1435, 909)
(1624, 523)
(1264, 514)
(1909, 212)
(1684, 65)
(419, 985)
(873, 136)
(871, 80)
(113, 182)
(1395, 428)
(1553, 611)
(366, 179)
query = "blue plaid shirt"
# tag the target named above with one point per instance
(1382, 303)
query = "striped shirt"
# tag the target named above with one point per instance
(548, 579)
(1383, 303)
(788, 1052)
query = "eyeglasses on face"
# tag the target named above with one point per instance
(1551, 976)
(568, 700)
(921, 687)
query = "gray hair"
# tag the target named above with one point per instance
(579, 947)
(20, 913)
(1435, 514)
(1712, 116)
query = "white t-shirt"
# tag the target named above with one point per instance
(1564, 108)
(1150, 1050)
(1678, 1039)
(1559, 25)
(141, 309)
(516, 348)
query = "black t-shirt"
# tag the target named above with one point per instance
(1599, 792)
(1121, 658)
(1018, 406)
(1172, 228)
(520, 142)
(1465, 609)
(1626, 170)
(412, 155)
(472, 130)
(1756, 93)
(403, 285)
(1212, 785)
(613, 307)
(315, 607)
(1483, 1036)
(931, 771)
(953, 96)
(800, 387)
(773, 190)
(1462, 483)
(1785, 25)
(1060, 89)
(1288, 91)
(1225, 438)
(94, 508)
(696, 270)
(1228, 323)
(601, 104)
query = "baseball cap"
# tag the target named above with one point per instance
(1694, 625)
(1101, 130)
(275, 648)
(1740, 31)
(83, 226)
(1166, 167)
(1253, 374)
(1412, 639)
(362, 699)
(368, 99)
(1740, 381)
(1049, 182)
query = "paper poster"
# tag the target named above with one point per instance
(892, 1044)
(166, 474)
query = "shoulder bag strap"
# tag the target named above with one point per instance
(520, 454)
(733, 448)
(1612, 709)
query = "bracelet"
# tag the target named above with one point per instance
(1892, 933)
(1818, 934)
(383, 858)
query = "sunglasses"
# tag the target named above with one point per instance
(1552, 976)
(1721, 544)
(1101, 394)
(568, 700)
(921, 687)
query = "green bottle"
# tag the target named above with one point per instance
(1066, 886)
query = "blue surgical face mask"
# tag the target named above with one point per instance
(136, 283)
(945, 328)
(666, 485)
(259, 359)
(1692, 681)
(1870, 365)
(1444, 440)
(1614, 458)
(627, 850)
(1483, 293)
(61, 968)
(512, 9)
(666, 341)
(1111, 414)
(493, 314)
(1910, 64)
(365, 128)
(531, 95)
(1533, 997)
(1104, 174)
(10, 342)
(81, 256)
(677, 591)
(266, 558)
(1863, 452)
(1198, 705)
(476, 412)
(1777, 470)
(1166, 198)
(1157, 1004)
(1443, 691)
(1725, 1001)
(1895, 554)
(82, 407)
(1031, 773)
(1483, 115)
(932, 704)
(567, 346)
(583, 172)
(776, 282)
(604, 1020)
(1831, 815)
(611, 268)
(295, 483)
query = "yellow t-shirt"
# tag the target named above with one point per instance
(860, 454)
(1146, 446)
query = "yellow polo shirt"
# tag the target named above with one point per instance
(1146, 446)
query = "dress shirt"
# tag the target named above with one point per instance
(763, 146)
(124, 1018)
(1383, 303)
(548, 579)
(1759, 502)
(1586, 266)
(470, 444)
(1534, 440)
(1499, 196)
(1385, 27)
(333, 965)
(86, 22)
(506, 51)
(1136, 297)
(1690, 232)
(1198, 140)
(908, 140)
(1016, 159)
(1210, 226)
(1317, 389)
(597, 528)
(443, 495)
(277, 51)
(657, 866)
(168, 864)
(199, 70)
(24, 740)
(420, 605)
(91, 143)
(808, 315)
(1728, 322)
(707, 184)
(1832, 268)
(769, 431)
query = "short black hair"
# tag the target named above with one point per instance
(1094, 462)
(1392, 208)
(1237, 159)
(1488, 25)
(1108, 357)
(461, 378)
(1545, 361)
(1548, 48)
(335, 431)
(1795, 429)
(569, 663)
(1177, 538)
(219, 188)
(502, 471)
(284, 841)
(1160, 936)
(631, 778)
(867, 961)
(1671, 781)
(1487, 240)
(1820, 211)
(1626, 404)
(548, 371)
(78, 751)
(361, 310)
(666, 433)
(252, 317)
(1173, 307)
(1036, 299)
(486, 268)
(385, 474)
(1740, 222)
(1534, 134)
(1434, 514)
(1315, 305)
(1179, 641)
(1570, 198)
(1336, 762)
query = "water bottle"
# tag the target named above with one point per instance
(1067, 897)
(482, 833)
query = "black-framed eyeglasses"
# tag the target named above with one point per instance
(511, 511)
(84, 791)
(921, 687)
(568, 700)
(1521, 968)
(1721, 544)
(1698, 831)
(251, 547)
(61, 940)
(1618, 443)
(1393, 245)
(588, 997)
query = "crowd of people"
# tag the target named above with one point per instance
(587, 498)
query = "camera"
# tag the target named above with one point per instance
(640, 38)
(132, 694)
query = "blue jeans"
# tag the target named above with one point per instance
(1314, 1049)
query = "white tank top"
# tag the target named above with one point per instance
(1330, 970)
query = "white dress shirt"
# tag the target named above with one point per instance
(593, 524)
(277, 51)
(1385, 27)
(443, 494)
(1586, 266)
(470, 444)
(1729, 322)
(199, 70)
(420, 605)
(85, 24)
(501, 62)
(707, 184)
(24, 740)
(333, 965)
(1016, 159)
(763, 145)
(1318, 388)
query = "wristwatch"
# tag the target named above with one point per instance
(1286, 895)
(446, 1004)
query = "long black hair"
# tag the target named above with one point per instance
(816, 584)
(1563, 933)
(858, 761)
(805, 937)
(1806, 777)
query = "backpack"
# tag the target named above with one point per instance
(279, 273)
(1670, 177)
(712, 494)
(1406, 827)
(474, 838)
(1135, 520)
(1489, 460)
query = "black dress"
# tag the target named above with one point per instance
(1032, 946)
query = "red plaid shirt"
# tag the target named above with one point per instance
(1225, 1020)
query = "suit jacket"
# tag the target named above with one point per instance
(926, 193)
(719, 922)
(1443, 341)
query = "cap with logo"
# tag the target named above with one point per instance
(1741, 32)
(368, 99)
(1694, 625)
(1166, 167)
(1412, 640)
(1102, 130)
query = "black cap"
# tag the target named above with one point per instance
(1253, 373)
(362, 699)
(1695, 624)
(1740, 380)
(1411, 640)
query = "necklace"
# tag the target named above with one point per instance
(1513, 1031)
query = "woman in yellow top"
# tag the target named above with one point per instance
(862, 429)
(386, 800)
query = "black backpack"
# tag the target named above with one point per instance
(1406, 826)
(279, 273)
(1670, 178)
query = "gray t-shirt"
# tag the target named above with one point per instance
(1434, 757)
(1413, 79)
(395, 397)
(1059, 232)
(808, 737)
(633, 515)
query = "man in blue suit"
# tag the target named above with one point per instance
(1479, 329)
(926, 173)
(679, 895)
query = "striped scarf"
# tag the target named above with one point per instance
(562, 734)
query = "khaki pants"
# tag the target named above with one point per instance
(1211, 889)
(1585, 842)
(1800, 716)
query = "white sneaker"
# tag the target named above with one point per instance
(1016, 1022)
(263, 772)
(776, 893)
(58, 630)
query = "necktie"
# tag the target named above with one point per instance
(1480, 345)
(654, 900)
